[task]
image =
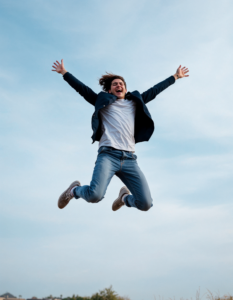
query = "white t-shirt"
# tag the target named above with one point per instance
(118, 121)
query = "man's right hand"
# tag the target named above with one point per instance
(59, 67)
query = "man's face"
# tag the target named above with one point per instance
(118, 88)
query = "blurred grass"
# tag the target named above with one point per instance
(110, 294)
(207, 295)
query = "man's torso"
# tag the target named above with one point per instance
(118, 122)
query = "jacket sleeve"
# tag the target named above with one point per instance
(81, 88)
(156, 89)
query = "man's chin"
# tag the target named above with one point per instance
(120, 96)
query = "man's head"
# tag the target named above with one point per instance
(114, 84)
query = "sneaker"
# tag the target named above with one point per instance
(118, 203)
(65, 197)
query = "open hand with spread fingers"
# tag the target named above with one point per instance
(59, 67)
(181, 72)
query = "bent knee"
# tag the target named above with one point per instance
(95, 197)
(145, 205)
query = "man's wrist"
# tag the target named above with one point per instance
(63, 72)
(176, 76)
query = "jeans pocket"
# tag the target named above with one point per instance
(101, 149)
(134, 156)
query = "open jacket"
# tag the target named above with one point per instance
(144, 125)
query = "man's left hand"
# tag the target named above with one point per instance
(181, 72)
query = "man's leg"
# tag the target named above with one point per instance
(105, 167)
(132, 176)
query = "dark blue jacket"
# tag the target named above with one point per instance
(144, 125)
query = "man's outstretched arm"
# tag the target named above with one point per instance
(158, 88)
(81, 88)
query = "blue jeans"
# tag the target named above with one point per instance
(124, 165)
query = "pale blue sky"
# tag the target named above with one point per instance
(186, 240)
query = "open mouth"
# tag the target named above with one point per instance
(119, 91)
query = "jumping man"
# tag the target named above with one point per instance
(121, 119)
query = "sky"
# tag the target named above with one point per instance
(185, 242)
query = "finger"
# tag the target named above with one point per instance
(183, 68)
(186, 75)
(57, 62)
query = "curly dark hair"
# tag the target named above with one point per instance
(106, 80)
